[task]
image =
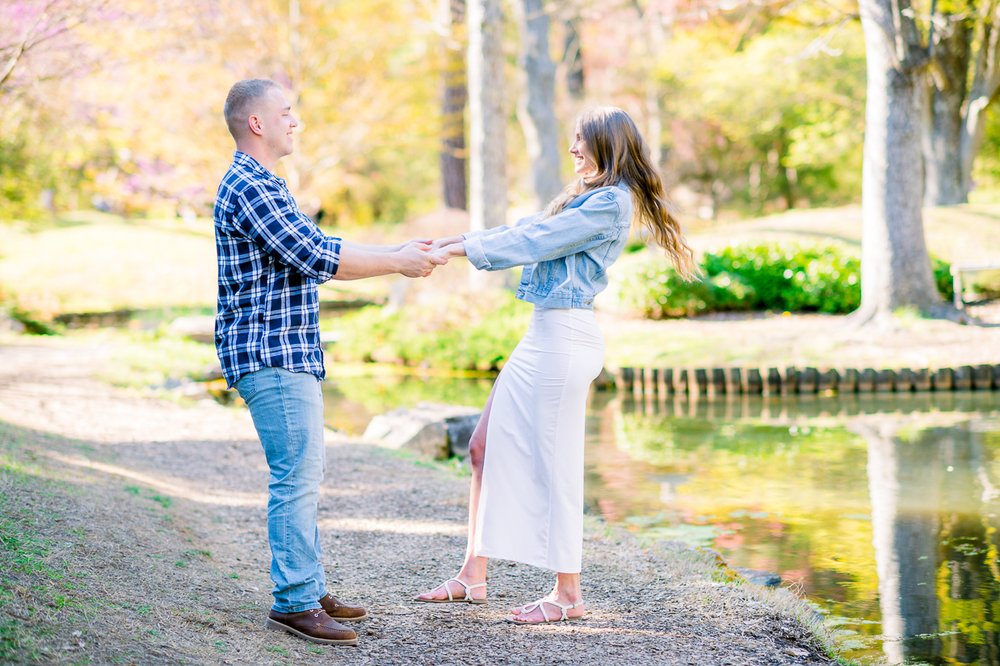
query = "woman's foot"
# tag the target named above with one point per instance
(551, 608)
(520, 610)
(456, 590)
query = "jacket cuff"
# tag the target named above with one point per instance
(474, 251)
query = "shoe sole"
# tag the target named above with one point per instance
(350, 619)
(274, 625)
(569, 619)
(474, 602)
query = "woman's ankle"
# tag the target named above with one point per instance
(473, 571)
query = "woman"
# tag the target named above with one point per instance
(526, 500)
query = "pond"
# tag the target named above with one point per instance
(881, 509)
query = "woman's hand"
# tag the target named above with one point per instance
(421, 243)
(450, 251)
(439, 243)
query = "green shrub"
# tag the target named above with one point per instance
(786, 278)
(793, 279)
(656, 291)
(942, 278)
(459, 332)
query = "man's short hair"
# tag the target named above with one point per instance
(240, 101)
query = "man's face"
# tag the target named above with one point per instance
(276, 122)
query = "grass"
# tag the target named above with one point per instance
(72, 587)
(32, 568)
(94, 262)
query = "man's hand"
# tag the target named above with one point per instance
(415, 260)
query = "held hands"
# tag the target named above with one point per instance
(418, 258)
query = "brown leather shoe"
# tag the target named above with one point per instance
(342, 612)
(313, 625)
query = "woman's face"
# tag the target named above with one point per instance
(583, 163)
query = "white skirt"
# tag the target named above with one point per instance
(531, 505)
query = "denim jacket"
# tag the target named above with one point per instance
(564, 256)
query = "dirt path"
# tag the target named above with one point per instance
(154, 512)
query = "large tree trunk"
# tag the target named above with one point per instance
(573, 58)
(985, 84)
(537, 113)
(656, 39)
(487, 121)
(945, 180)
(966, 77)
(657, 24)
(293, 166)
(453, 177)
(895, 267)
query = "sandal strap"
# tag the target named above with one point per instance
(540, 606)
(468, 588)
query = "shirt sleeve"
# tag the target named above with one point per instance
(274, 223)
(568, 232)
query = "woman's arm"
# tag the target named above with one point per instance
(384, 248)
(568, 232)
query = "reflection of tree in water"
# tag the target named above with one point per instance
(936, 556)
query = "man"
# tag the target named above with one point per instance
(271, 259)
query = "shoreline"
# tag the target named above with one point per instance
(156, 514)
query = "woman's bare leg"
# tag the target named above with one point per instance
(473, 569)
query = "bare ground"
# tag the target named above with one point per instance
(151, 515)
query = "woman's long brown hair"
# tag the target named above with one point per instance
(614, 143)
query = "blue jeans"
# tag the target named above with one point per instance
(287, 410)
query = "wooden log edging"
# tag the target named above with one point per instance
(647, 382)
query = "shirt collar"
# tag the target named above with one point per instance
(244, 160)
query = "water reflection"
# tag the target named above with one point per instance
(935, 542)
(883, 510)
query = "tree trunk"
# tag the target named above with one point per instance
(787, 176)
(537, 113)
(573, 58)
(895, 267)
(453, 177)
(487, 121)
(656, 26)
(985, 85)
(293, 166)
(944, 178)
(656, 38)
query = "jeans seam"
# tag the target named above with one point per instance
(295, 468)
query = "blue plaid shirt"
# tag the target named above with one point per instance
(271, 261)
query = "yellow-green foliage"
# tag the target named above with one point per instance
(455, 331)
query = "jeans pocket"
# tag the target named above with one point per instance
(246, 386)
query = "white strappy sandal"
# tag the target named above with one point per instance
(540, 605)
(467, 599)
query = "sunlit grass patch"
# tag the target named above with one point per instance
(143, 360)
(104, 264)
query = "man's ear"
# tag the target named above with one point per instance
(253, 122)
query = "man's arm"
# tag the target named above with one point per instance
(292, 238)
(267, 217)
(411, 260)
